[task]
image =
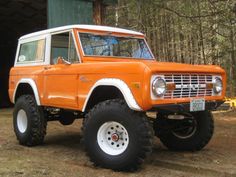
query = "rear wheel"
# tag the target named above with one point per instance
(190, 134)
(28, 121)
(116, 137)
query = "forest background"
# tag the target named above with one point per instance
(186, 31)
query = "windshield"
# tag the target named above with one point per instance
(102, 45)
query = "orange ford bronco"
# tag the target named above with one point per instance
(109, 77)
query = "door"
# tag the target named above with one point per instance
(61, 76)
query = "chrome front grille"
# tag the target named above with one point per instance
(188, 85)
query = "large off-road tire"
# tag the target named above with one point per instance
(116, 137)
(28, 121)
(190, 134)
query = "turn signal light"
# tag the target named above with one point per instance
(170, 86)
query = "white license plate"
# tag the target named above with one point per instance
(197, 105)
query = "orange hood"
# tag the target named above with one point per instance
(165, 67)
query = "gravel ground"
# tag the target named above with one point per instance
(63, 154)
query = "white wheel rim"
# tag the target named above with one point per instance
(113, 138)
(22, 121)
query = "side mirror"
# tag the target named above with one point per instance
(61, 60)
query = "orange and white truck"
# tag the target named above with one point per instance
(109, 78)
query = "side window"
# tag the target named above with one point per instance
(32, 51)
(62, 45)
(72, 53)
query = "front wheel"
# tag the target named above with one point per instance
(190, 134)
(116, 137)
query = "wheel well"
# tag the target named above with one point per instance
(23, 89)
(102, 93)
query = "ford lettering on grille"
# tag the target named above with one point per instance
(188, 86)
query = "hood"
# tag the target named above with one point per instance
(165, 67)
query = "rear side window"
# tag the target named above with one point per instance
(32, 51)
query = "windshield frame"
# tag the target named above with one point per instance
(115, 35)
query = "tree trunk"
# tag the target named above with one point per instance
(233, 64)
(203, 56)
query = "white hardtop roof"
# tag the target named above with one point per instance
(89, 27)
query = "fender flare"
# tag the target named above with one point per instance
(122, 86)
(33, 85)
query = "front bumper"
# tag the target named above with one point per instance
(184, 107)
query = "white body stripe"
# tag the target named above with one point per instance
(122, 86)
(33, 86)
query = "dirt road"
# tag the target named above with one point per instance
(63, 154)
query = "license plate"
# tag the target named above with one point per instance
(197, 105)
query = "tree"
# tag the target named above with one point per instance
(188, 31)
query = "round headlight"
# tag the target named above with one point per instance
(159, 87)
(217, 85)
